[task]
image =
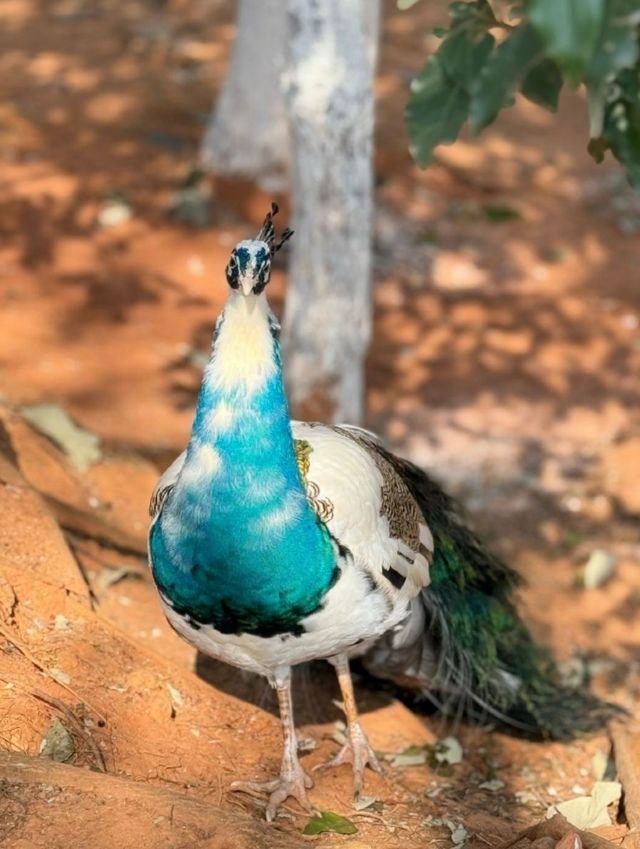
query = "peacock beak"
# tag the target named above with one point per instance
(247, 282)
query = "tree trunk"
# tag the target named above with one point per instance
(328, 85)
(247, 131)
(321, 55)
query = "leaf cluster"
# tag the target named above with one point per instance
(488, 53)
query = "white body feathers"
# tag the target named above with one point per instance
(367, 600)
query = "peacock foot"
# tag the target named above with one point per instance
(291, 782)
(356, 751)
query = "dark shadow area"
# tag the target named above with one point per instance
(315, 689)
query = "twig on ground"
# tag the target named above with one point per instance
(24, 651)
(93, 598)
(73, 720)
(626, 751)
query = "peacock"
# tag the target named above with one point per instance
(275, 542)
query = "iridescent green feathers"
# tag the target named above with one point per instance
(488, 664)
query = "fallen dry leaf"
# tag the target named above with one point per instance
(81, 447)
(448, 751)
(591, 811)
(57, 744)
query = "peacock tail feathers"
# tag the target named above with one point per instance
(487, 664)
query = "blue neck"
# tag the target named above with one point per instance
(238, 544)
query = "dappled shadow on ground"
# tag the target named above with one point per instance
(315, 685)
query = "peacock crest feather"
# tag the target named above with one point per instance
(268, 231)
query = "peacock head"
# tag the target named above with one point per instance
(249, 267)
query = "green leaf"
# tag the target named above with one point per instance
(509, 63)
(542, 84)
(461, 10)
(435, 113)
(439, 101)
(570, 30)
(617, 46)
(464, 55)
(328, 821)
(616, 50)
(478, 11)
(405, 4)
(621, 130)
(501, 213)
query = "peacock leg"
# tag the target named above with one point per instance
(357, 750)
(292, 781)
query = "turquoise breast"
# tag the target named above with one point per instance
(237, 545)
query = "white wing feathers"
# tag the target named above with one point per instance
(373, 513)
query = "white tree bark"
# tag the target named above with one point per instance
(247, 132)
(328, 85)
(319, 54)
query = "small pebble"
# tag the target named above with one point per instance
(60, 676)
(493, 785)
(113, 213)
(600, 567)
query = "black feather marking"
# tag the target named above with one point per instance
(232, 618)
(343, 551)
(396, 578)
(274, 326)
(158, 498)
(373, 587)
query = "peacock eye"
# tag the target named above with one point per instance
(232, 273)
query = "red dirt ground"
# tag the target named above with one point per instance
(505, 357)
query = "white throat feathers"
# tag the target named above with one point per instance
(243, 357)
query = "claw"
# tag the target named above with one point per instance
(356, 751)
(287, 784)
